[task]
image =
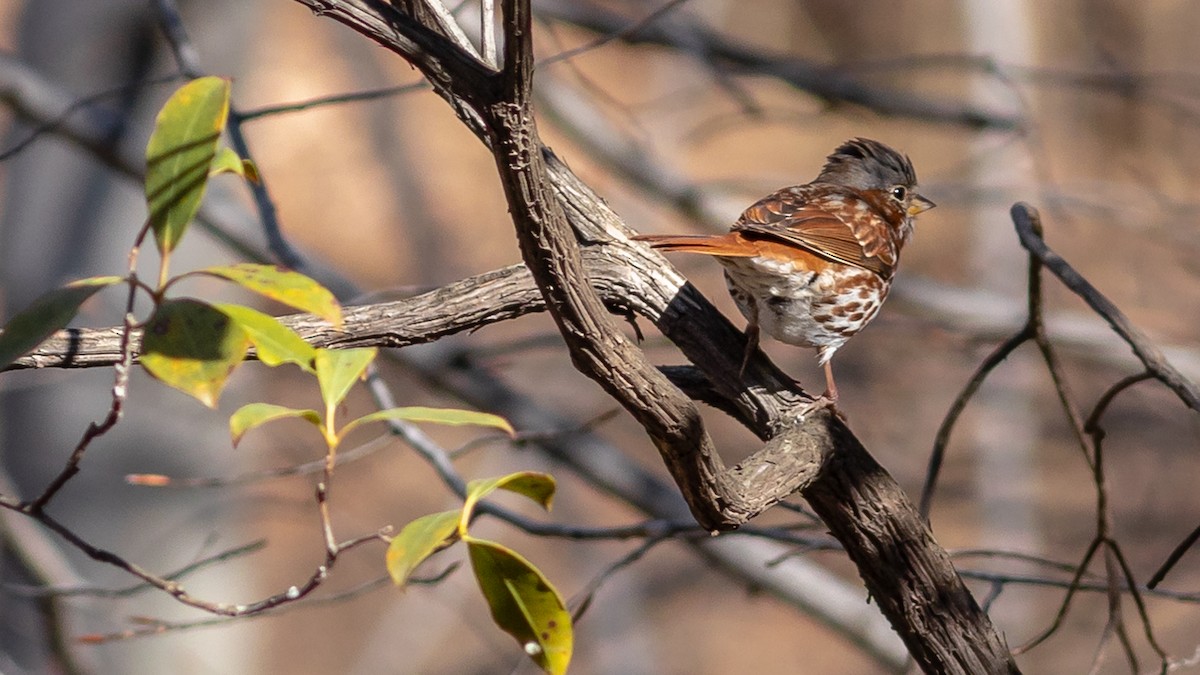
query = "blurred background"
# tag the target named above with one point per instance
(679, 115)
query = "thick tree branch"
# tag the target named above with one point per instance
(597, 347)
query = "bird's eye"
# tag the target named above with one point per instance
(899, 193)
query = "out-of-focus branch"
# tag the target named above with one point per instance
(54, 111)
(830, 83)
(39, 556)
(30, 97)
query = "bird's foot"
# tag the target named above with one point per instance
(822, 402)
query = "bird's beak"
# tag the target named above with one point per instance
(919, 204)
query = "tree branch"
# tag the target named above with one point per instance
(1023, 216)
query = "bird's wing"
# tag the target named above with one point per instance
(829, 221)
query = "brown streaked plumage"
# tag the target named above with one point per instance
(810, 265)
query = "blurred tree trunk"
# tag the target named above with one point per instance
(1003, 426)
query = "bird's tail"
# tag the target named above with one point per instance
(729, 245)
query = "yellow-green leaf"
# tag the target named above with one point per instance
(193, 347)
(339, 369)
(417, 541)
(227, 161)
(274, 342)
(537, 486)
(255, 414)
(282, 285)
(180, 153)
(447, 416)
(49, 313)
(524, 604)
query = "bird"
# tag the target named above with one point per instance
(810, 265)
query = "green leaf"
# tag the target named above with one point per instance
(417, 541)
(524, 604)
(339, 369)
(283, 285)
(180, 154)
(447, 416)
(537, 486)
(193, 347)
(49, 313)
(255, 414)
(227, 161)
(274, 342)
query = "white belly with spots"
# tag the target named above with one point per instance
(801, 307)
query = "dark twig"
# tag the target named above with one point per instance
(1072, 588)
(335, 99)
(583, 599)
(174, 588)
(1176, 554)
(1029, 229)
(1141, 606)
(89, 591)
(158, 627)
(1151, 357)
(120, 388)
(626, 32)
(942, 439)
(1092, 586)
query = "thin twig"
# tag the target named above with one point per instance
(56, 123)
(1093, 586)
(1029, 229)
(334, 99)
(942, 439)
(1072, 589)
(1151, 357)
(119, 391)
(93, 591)
(583, 599)
(1176, 554)
(1141, 605)
(188, 58)
(158, 627)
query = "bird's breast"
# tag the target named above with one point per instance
(801, 306)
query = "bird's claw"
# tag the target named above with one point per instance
(822, 402)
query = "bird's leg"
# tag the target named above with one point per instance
(751, 345)
(831, 392)
(751, 331)
(827, 399)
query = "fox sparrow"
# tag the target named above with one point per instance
(810, 265)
